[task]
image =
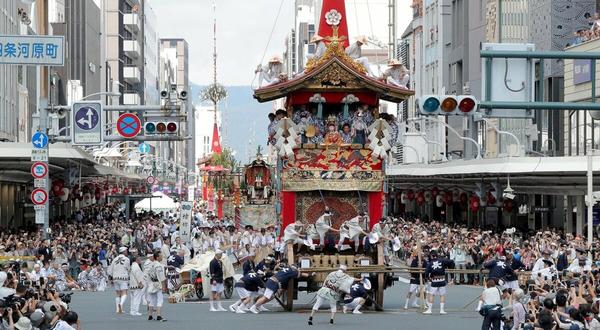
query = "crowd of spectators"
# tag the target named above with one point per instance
(559, 272)
(38, 273)
(590, 32)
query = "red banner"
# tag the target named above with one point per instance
(288, 208)
(375, 207)
(326, 30)
(220, 208)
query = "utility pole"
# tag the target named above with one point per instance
(391, 29)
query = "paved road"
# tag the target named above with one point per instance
(96, 309)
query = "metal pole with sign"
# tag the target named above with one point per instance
(36, 50)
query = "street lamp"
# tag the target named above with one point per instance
(506, 133)
(111, 94)
(590, 194)
(450, 128)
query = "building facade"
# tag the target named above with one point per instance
(175, 55)
(80, 24)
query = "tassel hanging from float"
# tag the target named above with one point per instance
(346, 111)
(320, 110)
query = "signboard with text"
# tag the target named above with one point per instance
(32, 50)
(185, 222)
(87, 127)
(582, 71)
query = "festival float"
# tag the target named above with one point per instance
(331, 145)
(257, 209)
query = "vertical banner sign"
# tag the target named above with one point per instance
(582, 71)
(185, 222)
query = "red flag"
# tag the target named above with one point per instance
(216, 142)
(328, 10)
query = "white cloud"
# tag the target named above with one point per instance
(243, 28)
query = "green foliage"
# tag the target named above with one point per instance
(225, 159)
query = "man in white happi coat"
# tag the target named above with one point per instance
(355, 52)
(397, 74)
(311, 235)
(544, 268)
(178, 245)
(320, 47)
(156, 285)
(581, 264)
(336, 284)
(118, 272)
(323, 225)
(270, 73)
(136, 285)
(293, 233)
(165, 250)
(352, 229)
(146, 268)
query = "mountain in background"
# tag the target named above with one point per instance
(244, 120)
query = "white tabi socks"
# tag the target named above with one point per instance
(442, 311)
(118, 303)
(220, 307)
(212, 306)
(234, 307)
(123, 298)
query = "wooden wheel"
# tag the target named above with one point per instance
(380, 279)
(379, 292)
(289, 293)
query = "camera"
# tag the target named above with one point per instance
(13, 302)
(65, 297)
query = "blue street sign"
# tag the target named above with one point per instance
(87, 127)
(32, 50)
(87, 118)
(39, 140)
(144, 148)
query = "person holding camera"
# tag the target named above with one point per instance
(491, 308)
(519, 311)
(580, 264)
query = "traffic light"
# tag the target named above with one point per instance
(151, 128)
(431, 105)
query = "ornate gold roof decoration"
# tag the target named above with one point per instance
(334, 76)
(334, 49)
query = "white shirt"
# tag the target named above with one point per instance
(62, 325)
(320, 51)
(491, 296)
(137, 276)
(5, 292)
(119, 268)
(575, 268)
(354, 51)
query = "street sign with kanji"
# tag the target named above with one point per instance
(32, 50)
(39, 155)
(39, 140)
(39, 196)
(129, 125)
(39, 170)
(86, 123)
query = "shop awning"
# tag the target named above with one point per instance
(15, 162)
(541, 175)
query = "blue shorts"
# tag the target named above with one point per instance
(272, 285)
